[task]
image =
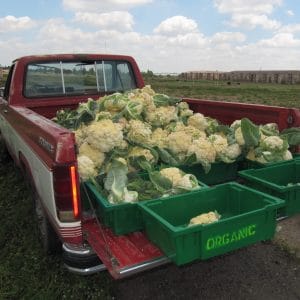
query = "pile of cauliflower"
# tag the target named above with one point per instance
(148, 130)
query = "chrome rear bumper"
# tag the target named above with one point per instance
(84, 261)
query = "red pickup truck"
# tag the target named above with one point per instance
(36, 88)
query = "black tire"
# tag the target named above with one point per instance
(4, 155)
(48, 237)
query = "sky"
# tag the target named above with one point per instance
(164, 36)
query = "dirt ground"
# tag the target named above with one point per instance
(288, 235)
(268, 270)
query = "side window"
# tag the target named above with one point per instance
(8, 83)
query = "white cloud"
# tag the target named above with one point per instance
(280, 40)
(249, 14)
(290, 28)
(119, 20)
(11, 23)
(176, 25)
(245, 7)
(228, 37)
(290, 13)
(251, 21)
(101, 6)
(187, 40)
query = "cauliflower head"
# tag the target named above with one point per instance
(235, 124)
(198, 120)
(232, 152)
(219, 142)
(273, 143)
(148, 90)
(173, 174)
(287, 155)
(192, 131)
(205, 218)
(180, 181)
(104, 135)
(103, 115)
(139, 132)
(238, 134)
(184, 110)
(86, 167)
(92, 153)
(115, 102)
(159, 138)
(139, 151)
(161, 116)
(179, 142)
(204, 150)
(80, 135)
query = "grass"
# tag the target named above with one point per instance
(25, 272)
(268, 94)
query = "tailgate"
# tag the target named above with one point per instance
(123, 255)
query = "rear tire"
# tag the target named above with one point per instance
(4, 155)
(48, 237)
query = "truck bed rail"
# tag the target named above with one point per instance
(227, 112)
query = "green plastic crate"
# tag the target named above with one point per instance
(274, 180)
(247, 216)
(220, 172)
(250, 164)
(122, 218)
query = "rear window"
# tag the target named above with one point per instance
(77, 78)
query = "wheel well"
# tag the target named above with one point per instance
(26, 170)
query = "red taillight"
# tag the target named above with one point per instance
(74, 191)
(66, 192)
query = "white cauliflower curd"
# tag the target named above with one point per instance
(198, 120)
(162, 115)
(92, 153)
(139, 132)
(204, 150)
(86, 167)
(205, 218)
(104, 135)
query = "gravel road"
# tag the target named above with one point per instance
(268, 270)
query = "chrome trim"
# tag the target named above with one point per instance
(131, 270)
(82, 250)
(121, 273)
(281, 218)
(86, 271)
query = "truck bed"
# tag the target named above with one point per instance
(128, 254)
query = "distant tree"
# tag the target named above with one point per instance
(148, 74)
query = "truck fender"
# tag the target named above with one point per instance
(47, 235)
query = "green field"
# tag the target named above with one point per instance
(268, 94)
(25, 272)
